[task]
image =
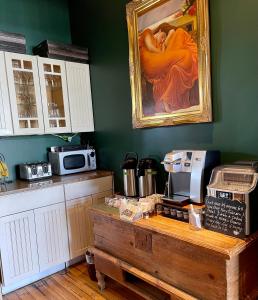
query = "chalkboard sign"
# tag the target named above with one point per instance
(225, 216)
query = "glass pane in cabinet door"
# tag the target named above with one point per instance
(27, 64)
(16, 63)
(47, 68)
(25, 97)
(55, 100)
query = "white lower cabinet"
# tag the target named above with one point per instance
(80, 229)
(90, 187)
(52, 238)
(78, 225)
(79, 197)
(40, 230)
(19, 253)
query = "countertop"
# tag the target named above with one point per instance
(222, 244)
(22, 185)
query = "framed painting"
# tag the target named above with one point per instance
(169, 59)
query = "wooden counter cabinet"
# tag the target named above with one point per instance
(166, 254)
(79, 198)
(78, 225)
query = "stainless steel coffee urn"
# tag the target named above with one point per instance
(129, 174)
(146, 173)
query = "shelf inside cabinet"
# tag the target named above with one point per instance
(28, 118)
(56, 118)
(31, 104)
(22, 70)
(24, 84)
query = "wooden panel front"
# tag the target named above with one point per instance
(248, 269)
(191, 268)
(110, 268)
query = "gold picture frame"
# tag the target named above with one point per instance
(169, 68)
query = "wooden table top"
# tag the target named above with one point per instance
(222, 244)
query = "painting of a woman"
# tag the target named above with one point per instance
(169, 61)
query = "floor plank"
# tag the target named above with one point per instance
(73, 284)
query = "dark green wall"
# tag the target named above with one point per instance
(38, 20)
(101, 25)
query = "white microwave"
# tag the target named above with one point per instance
(72, 161)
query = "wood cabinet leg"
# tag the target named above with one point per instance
(101, 280)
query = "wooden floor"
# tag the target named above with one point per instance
(72, 285)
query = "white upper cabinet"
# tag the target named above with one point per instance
(25, 97)
(6, 127)
(41, 95)
(55, 103)
(79, 91)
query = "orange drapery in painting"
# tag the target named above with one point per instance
(170, 63)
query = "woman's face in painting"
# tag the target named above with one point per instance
(160, 36)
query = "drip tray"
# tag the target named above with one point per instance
(176, 199)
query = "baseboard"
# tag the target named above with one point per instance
(75, 260)
(31, 279)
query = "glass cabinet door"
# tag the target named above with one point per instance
(54, 95)
(25, 95)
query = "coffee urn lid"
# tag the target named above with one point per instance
(130, 161)
(147, 163)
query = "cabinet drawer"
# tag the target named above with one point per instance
(15, 203)
(89, 187)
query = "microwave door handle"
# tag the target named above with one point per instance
(88, 158)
